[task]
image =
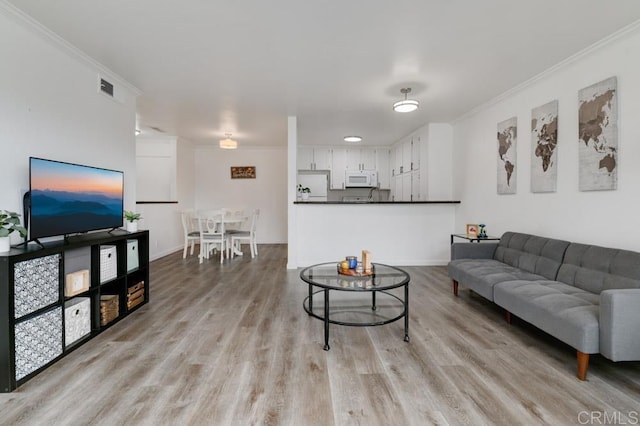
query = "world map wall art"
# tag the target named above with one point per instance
(507, 141)
(598, 136)
(544, 140)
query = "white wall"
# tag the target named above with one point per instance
(163, 220)
(50, 107)
(268, 191)
(605, 218)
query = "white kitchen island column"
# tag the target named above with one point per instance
(411, 233)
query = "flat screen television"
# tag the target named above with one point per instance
(68, 198)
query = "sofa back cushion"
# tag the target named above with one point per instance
(538, 255)
(594, 268)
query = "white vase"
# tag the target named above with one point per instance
(5, 244)
(132, 226)
(305, 196)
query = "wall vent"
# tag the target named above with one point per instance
(106, 87)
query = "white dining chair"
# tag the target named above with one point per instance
(212, 235)
(248, 236)
(190, 230)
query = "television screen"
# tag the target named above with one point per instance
(70, 198)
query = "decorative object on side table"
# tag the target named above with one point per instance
(304, 192)
(483, 231)
(9, 222)
(132, 220)
(472, 230)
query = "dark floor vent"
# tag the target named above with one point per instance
(106, 87)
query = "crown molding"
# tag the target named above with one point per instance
(26, 21)
(600, 44)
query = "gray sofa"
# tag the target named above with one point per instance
(584, 295)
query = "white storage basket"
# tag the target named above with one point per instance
(132, 255)
(108, 263)
(77, 319)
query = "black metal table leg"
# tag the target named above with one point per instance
(406, 312)
(310, 299)
(373, 301)
(326, 319)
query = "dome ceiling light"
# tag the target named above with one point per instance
(228, 143)
(353, 138)
(406, 105)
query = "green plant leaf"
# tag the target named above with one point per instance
(4, 232)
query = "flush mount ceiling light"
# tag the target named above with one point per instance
(406, 105)
(353, 138)
(228, 143)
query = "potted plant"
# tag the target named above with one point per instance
(304, 192)
(9, 222)
(132, 220)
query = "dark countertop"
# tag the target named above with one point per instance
(377, 202)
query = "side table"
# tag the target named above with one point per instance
(472, 239)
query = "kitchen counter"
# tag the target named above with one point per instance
(378, 202)
(396, 233)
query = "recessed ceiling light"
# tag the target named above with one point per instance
(138, 132)
(406, 105)
(353, 138)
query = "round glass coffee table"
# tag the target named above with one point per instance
(381, 306)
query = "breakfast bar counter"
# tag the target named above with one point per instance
(396, 233)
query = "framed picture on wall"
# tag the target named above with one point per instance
(472, 230)
(243, 172)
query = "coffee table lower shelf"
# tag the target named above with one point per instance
(392, 309)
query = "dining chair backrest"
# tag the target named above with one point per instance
(187, 217)
(254, 222)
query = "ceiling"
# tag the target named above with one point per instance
(207, 68)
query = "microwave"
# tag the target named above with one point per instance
(361, 179)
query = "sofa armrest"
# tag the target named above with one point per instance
(473, 250)
(620, 324)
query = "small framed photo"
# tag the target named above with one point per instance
(243, 172)
(472, 230)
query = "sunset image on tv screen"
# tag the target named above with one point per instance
(69, 198)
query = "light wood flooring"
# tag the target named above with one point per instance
(231, 345)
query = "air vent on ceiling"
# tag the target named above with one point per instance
(106, 87)
(157, 129)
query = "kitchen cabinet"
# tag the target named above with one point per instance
(361, 159)
(338, 167)
(406, 155)
(415, 153)
(406, 187)
(415, 186)
(398, 164)
(310, 158)
(383, 167)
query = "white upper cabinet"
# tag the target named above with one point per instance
(368, 158)
(305, 158)
(322, 158)
(361, 159)
(310, 158)
(415, 153)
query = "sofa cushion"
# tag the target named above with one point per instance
(595, 268)
(537, 255)
(481, 275)
(564, 311)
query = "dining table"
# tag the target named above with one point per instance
(230, 217)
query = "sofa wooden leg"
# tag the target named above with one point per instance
(583, 364)
(455, 287)
(508, 316)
